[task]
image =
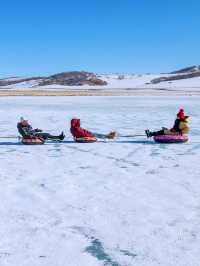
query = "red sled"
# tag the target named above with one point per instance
(33, 140)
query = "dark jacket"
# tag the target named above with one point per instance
(176, 127)
(25, 129)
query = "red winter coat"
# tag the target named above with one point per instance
(77, 131)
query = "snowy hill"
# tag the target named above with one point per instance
(183, 74)
(187, 78)
(74, 78)
(187, 70)
(79, 79)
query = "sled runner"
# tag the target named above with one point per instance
(86, 140)
(171, 138)
(33, 140)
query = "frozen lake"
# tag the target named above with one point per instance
(123, 203)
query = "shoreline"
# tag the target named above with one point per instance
(101, 92)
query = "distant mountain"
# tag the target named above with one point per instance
(187, 70)
(74, 78)
(185, 73)
(88, 80)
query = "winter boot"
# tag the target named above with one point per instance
(148, 133)
(61, 136)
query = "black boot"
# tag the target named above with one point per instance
(148, 133)
(62, 136)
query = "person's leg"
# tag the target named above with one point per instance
(171, 132)
(110, 135)
(99, 136)
(155, 133)
(43, 135)
(59, 137)
(158, 133)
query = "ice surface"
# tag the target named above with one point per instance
(128, 202)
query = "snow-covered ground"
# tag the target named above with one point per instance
(144, 82)
(122, 203)
(182, 84)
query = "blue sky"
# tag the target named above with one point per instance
(44, 37)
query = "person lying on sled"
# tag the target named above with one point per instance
(78, 132)
(180, 127)
(26, 130)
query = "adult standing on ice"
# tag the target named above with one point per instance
(26, 130)
(180, 127)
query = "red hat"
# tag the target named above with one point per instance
(181, 114)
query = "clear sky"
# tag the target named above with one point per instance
(44, 37)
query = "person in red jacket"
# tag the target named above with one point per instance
(78, 132)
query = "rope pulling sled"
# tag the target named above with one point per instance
(33, 140)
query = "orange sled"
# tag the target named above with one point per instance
(86, 140)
